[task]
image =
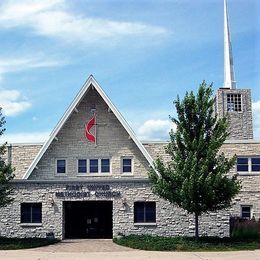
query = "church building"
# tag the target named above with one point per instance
(89, 179)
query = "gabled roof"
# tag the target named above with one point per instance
(91, 82)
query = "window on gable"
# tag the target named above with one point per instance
(242, 164)
(234, 102)
(82, 166)
(31, 212)
(61, 166)
(105, 165)
(246, 212)
(93, 165)
(127, 165)
(144, 212)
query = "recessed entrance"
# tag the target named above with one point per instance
(88, 219)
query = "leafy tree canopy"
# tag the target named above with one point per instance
(196, 177)
(6, 170)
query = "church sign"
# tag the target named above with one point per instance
(99, 191)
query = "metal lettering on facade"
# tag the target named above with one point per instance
(100, 191)
(98, 187)
(107, 194)
(78, 194)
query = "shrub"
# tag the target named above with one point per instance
(246, 229)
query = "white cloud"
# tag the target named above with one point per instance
(12, 102)
(52, 18)
(23, 63)
(158, 130)
(33, 137)
(256, 119)
(155, 130)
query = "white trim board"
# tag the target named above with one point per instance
(91, 82)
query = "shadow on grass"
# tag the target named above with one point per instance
(22, 243)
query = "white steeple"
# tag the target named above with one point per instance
(229, 77)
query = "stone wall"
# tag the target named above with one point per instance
(170, 220)
(250, 181)
(112, 142)
(21, 156)
(249, 194)
(157, 150)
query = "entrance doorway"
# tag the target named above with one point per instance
(88, 219)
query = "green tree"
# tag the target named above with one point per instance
(196, 177)
(6, 170)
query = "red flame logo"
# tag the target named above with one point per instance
(89, 125)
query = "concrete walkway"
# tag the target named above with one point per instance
(106, 250)
(83, 245)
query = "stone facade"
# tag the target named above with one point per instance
(250, 181)
(170, 220)
(21, 156)
(240, 122)
(157, 150)
(114, 142)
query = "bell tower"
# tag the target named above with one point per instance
(230, 101)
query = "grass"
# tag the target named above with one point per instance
(22, 243)
(158, 243)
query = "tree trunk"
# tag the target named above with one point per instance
(196, 226)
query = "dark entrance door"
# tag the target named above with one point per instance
(88, 219)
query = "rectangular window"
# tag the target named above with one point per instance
(93, 165)
(255, 164)
(82, 166)
(246, 212)
(127, 165)
(105, 165)
(242, 164)
(61, 166)
(31, 213)
(234, 102)
(144, 212)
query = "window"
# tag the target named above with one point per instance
(234, 102)
(61, 166)
(105, 165)
(127, 165)
(82, 166)
(31, 213)
(242, 164)
(248, 164)
(93, 165)
(246, 212)
(255, 164)
(144, 212)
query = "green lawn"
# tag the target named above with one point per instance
(21, 243)
(156, 243)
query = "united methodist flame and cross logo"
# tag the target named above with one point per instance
(90, 136)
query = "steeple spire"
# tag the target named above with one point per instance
(229, 77)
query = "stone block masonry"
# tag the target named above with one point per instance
(21, 156)
(170, 220)
(113, 142)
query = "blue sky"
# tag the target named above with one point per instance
(143, 53)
